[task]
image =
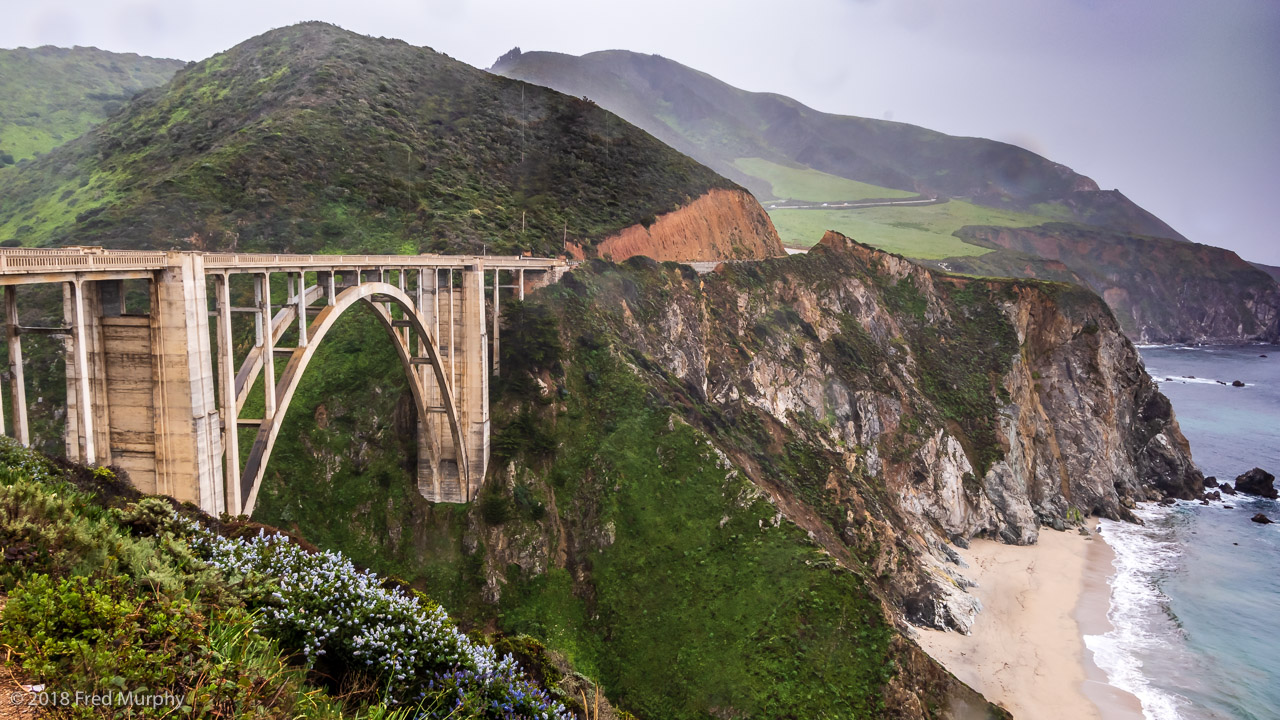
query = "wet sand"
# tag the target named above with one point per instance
(1026, 651)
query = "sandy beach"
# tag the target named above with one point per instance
(1026, 651)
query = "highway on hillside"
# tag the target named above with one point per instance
(851, 204)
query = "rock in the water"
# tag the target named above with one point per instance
(1258, 482)
(1215, 495)
(1211, 481)
(1236, 383)
(1229, 507)
(1168, 501)
(1262, 356)
(1227, 489)
(1261, 519)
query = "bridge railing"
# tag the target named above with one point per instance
(28, 260)
(82, 259)
(226, 261)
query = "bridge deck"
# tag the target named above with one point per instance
(31, 265)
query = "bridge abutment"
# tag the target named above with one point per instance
(148, 380)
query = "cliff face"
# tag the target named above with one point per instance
(719, 225)
(932, 408)
(702, 480)
(1162, 291)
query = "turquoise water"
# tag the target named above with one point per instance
(1196, 595)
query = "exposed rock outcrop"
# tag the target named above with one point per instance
(1257, 482)
(1161, 290)
(719, 225)
(944, 408)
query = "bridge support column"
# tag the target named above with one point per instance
(227, 386)
(18, 388)
(140, 387)
(188, 442)
(497, 282)
(473, 392)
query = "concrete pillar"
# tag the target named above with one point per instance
(234, 502)
(473, 392)
(189, 443)
(17, 388)
(497, 282)
(86, 450)
(300, 304)
(267, 341)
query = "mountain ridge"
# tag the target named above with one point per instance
(311, 138)
(775, 127)
(777, 146)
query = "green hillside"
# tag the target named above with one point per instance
(719, 125)
(803, 183)
(52, 95)
(925, 232)
(779, 148)
(311, 139)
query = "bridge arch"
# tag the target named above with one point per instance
(374, 294)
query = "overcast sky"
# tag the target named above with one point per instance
(1174, 102)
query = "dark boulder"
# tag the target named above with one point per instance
(1215, 495)
(1168, 501)
(1258, 482)
(1236, 383)
(1262, 519)
(1211, 481)
(1226, 489)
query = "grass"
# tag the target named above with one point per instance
(812, 185)
(919, 232)
(711, 607)
(52, 95)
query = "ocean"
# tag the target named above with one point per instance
(1195, 601)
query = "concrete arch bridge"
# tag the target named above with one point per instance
(150, 391)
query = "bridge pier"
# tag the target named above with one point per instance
(140, 387)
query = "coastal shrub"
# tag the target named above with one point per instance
(103, 635)
(139, 596)
(343, 620)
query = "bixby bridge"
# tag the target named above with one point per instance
(150, 391)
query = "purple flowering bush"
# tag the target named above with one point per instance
(338, 616)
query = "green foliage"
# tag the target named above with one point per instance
(961, 362)
(103, 635)
(313, 139)
(495, 506)
(53, 95)
(709, 605)
(146, 601)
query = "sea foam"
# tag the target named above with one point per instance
(1141, 625)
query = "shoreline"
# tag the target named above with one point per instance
(1027, 651)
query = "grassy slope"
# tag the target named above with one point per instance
(311, 138)
(52, 95)
(808, 184)
(921, 232)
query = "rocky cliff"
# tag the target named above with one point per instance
(727, 494)
(1162, 291)
(939, 408)
(719, 225)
